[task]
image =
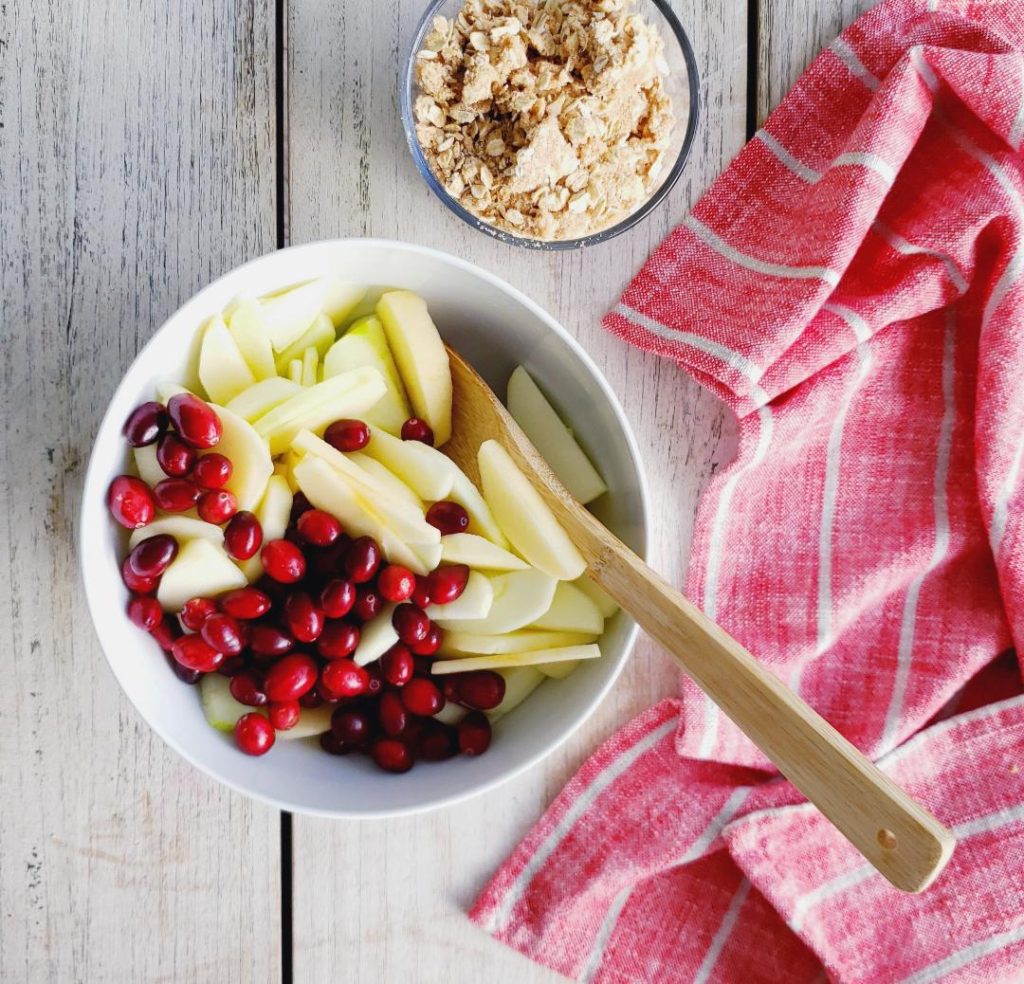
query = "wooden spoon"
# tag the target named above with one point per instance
(898, 836)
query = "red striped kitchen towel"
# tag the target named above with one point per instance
(852, 288)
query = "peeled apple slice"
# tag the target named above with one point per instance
(253, 403)
(524, 517)
(421, 358)
(182, 528)
(606, 604)
(295, 372)
(222, 370)
(478, 552)
(249, 331)
(200, 570)
(472, 643)
(520, 682)
(319, 335)
(310, 366)
(559, 671)
(387, 479)
(451, 713)
(274, 513)
(481, 519)
(251, 465)
(289, 315)
(424, 469)
(474, 602)
(166, 389)
(571, 611)
(147, 466)
(377, 637)
(520, 597)
(505, 660)
(549, 435)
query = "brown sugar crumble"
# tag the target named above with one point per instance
(545, 118)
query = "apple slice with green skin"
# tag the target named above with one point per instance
(451, 714)
(474, 603)
(520, 682)
(310, 367)
(499, 661)
(288, 315)
(387, 479)
(376, 637)
(524, 517)
(274, 513)
(478, 552)
(365, 344)
(201, 569)
(428, 472)
(348, 395)
(520, 598)
(481, 518)
(251, 464)
(222, 370)
(571, 611)
(319, 335)
(222, 711)
(250, 334)
(421, 358)
(258, 400)
(182, 528)
(606, 604)
(456, 643)
(147, 466)
(549, 435)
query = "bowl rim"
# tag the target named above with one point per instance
(407, 84)
(93, 496)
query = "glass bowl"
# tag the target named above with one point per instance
(681, 84)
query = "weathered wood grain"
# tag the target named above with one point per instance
(136, 163)
(385, 901)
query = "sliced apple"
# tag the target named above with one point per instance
(520, 682)
(559, 671)
(429, 554)
(456, 643)
(312, 721)
(222, 711)
(524, 517)
(478, 552)
(274, 513)
(310, 366)
(424, 469)
(222, 370)
(520, 597)
(505, 660)
(451, 714)
(376, 637)
(319, 335)
(421, 357)
(201, 569)
(606, 604)
(250, 334)
(288, 315)
(253, 403)
(348, 395)
(249, 455)
(365, 344)
(147, 466)
(182, 528)
(481, 519)
(555, 442)
(295, 371)
(168, 388)
(474, 603)
(387, 479)
(571, 611)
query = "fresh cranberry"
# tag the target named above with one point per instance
(338, 640)
(212, 471)
(283, 561)
(145, 612)
(284, 714)
(392, 713)
(318, 527)
(421, 594)
(176, 494)
(325, 562)
(396, 583)
(451, 687)
(183, 673)
(368, 602)
(396, 665)
(343, 678)
(243, 535)
(375, 684)
(337, 597)
(232, 666)
(445, 584)
(334, 745)
(196, 653)
(268, 641)
(420, 696)
(223, 633)
(217, 506)
(482, 690)
(245, 603)
(299, 505)
(152, 556)
(415, 429)
(145, 424)
(166, 632)
(132, 581)
(254, 734)
(290, 677)
(430, 643)
(174, 456)
(351, 725)
(130, 502)
(348, 435)
(247, 688)
(448, 517)
(195, 421)
(436, 742)
(196, 611)
(392, 755)
(305, 620)
(362, 559)
(422, 666)
(474, 733)
(411, 624)
(311, 698)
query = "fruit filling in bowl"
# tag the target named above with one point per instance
(303, 550)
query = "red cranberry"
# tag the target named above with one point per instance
(145, 612)
(474, 733)
(348, 435)
(448, 517)
(132, 581)
(436, 742)
(451, 687)
(284, 714)
(411, 624)
(396, 665)
(254, 734)
(243, 535)
(130, 502)
(396, 583)
(430, 643)
(482, 690)
(283, 561)
(247, 688)
(421, 697)
(362, 559)
(290, 677)
(174, 456)
(318, 527)
(166, 632)
(342, 678)
(447, 583)
(337, 597)
(196, 653)
(326, 562)
(195, 421)
(334, 745)
(392, 713)
(305, 620)
(415, 429)
(311, 698)
(223, 633)
(217, 506)
(183, 673)
(421, 594)
(392, 755)
(368, 602)
(375, 684)
(145, 424)
(338, 640)
(152, 556)
(422, 666)
(299, 505)
(212, 471)
(232, 666)
(196, 611)
(245, 603)
(268, 641)
(351, 725)
(176, 494)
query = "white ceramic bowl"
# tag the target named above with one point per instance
(496, 328)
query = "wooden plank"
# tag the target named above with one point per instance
(386, 901)
(136, 163)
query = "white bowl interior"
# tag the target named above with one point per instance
(496, 328)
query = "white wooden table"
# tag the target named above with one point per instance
(145, 148)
